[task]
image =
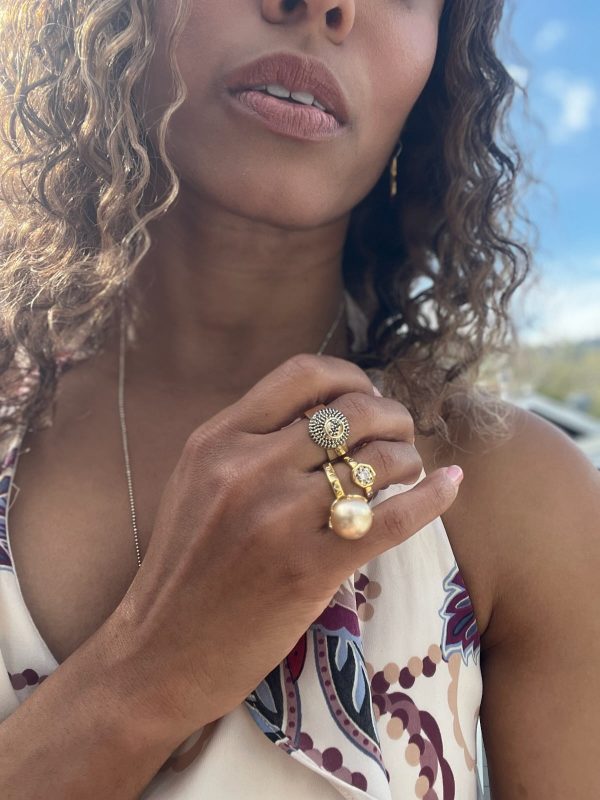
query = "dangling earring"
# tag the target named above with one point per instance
(394, 170)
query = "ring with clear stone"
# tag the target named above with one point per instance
(363, 475)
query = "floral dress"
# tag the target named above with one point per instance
(378, 700)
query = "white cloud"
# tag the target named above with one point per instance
(576, 99)
(561, 306)
(519, 74)
(551, 34)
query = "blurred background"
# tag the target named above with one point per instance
(551, 50)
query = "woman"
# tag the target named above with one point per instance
(268, 263)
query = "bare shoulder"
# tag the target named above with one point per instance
(526, 524)
(529, 497)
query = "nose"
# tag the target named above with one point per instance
(335, 18)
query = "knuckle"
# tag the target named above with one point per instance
(396, 524)
(356, 373)
(442, 494)
(408, 423)
(414, 464)
(197, 440)
(205, 444)
(404, 516)
(225, 475)
(312, 367)
(300, 365)
(386, 458)
(360, 405)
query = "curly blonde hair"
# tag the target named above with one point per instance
(80, 179)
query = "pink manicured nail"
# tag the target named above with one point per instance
(455, 473)
(376, 392)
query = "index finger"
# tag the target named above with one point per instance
(299, 383)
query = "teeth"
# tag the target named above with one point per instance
(277, 90)
(303, 97)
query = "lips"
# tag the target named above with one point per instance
(298, 73)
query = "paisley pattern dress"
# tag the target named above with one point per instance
(378, 700)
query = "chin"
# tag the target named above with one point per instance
(292, 213)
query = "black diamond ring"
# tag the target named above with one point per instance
(329, 428)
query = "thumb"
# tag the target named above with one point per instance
(404, 513)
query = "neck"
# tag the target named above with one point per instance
(224, 300)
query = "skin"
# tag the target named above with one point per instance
(258, 201)
(526, 523)
(261, 223)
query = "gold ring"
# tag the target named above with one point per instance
(327, 427)
(336, 452)
(363, 475)
(350, 516)
(334, 481)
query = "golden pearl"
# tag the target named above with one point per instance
(351, 516)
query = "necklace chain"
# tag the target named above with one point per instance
(330, 333)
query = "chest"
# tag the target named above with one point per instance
(70, 532)
(70, 527)
(69, 521)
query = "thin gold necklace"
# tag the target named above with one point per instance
(124, 425)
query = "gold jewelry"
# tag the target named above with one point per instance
(333, 479)
(394, 171)
(336, 452)
(121, 405)
(350, 516)
(363, 475)
(328, 427)
(333, 453)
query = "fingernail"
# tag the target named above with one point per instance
(376, 392)
(455, 473)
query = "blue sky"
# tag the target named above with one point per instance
(555, 56)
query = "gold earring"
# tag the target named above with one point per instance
(394, 171)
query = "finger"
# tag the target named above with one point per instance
(304, 380)
(393, 462)
(369, 417)
(397, 518)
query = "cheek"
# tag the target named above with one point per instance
(232, 162)
(202, 50)
(400, 68)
